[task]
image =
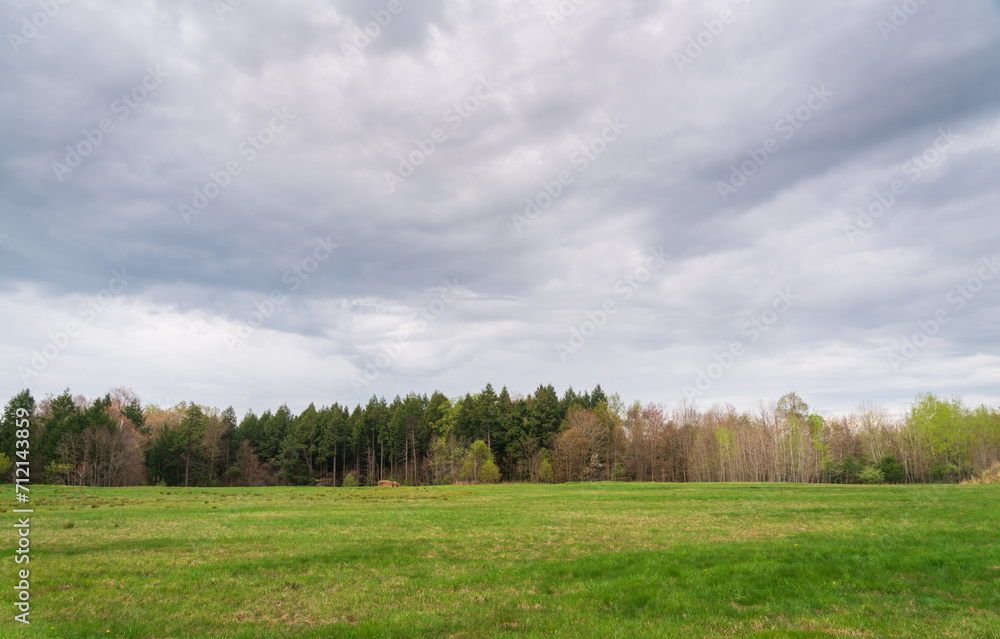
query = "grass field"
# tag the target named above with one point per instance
(579, 560)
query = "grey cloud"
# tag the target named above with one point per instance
(324, 175)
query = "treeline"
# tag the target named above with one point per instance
(489, 437)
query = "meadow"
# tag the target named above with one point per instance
(580, 560)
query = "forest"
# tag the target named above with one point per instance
(490, 437)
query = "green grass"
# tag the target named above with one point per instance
(577, 560)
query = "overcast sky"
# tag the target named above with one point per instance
(320, 201)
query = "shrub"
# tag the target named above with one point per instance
(68, 525)
(545, 472)
(871, 475)
(350, 481)
(941, 471)
(489, 473)
(892, 471)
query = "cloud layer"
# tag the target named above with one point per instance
(319, 201)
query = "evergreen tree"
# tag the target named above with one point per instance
(188, 437)
(25, 402)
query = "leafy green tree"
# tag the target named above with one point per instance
(791, 406)
(944, 428)
(439, 461)
(819, 437)
(545, 473)
(479, 454)
(440, 416)
(350, 481)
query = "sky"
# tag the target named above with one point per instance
(249, 204)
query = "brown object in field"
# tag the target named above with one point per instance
(385, 483)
